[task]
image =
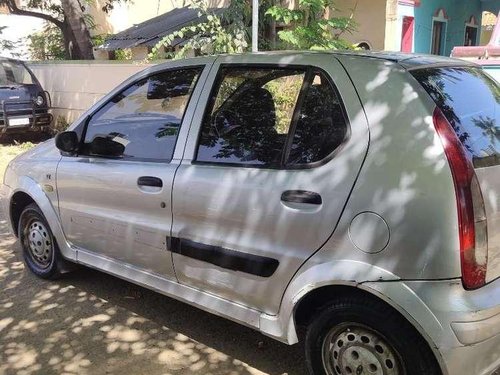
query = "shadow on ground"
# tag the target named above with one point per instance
(92, 323)
(28, 136)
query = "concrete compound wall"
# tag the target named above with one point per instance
(74, 87)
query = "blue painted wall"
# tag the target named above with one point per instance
(492, 6)
(458, 13)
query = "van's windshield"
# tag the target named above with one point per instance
(470, 100)
(14, 73)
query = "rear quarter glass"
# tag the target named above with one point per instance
(470, 100)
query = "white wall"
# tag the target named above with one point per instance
(74, 87)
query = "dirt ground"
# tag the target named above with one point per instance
(91, 323)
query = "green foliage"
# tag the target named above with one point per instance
(285, 92)
(25, 146)
(123, 54)
(309, 28)
(216, 34)
(60, 125)
(47, 44)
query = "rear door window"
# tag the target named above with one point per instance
(272, 117)
(470, 100)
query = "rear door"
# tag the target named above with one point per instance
(470, 100)
(273, 152)
(119, 206)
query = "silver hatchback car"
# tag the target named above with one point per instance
(348, 200)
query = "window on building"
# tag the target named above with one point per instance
(438, 37)
(470, 36)
(439, 30)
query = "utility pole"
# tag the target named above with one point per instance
(255, 25)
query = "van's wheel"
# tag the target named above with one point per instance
(356, 335)
(40, 251)
(5, 137)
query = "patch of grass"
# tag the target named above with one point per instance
(9, 152)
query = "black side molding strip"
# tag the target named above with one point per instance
(225, 258)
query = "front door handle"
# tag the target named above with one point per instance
(301, 196)
(150, 181)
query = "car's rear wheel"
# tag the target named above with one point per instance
(40, 251)
(357, 336)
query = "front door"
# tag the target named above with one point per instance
(272, 154)
(115, 196)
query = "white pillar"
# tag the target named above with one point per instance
(255, 25)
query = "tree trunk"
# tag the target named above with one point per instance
(76, 34)
(77, 41)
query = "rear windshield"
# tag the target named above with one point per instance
(470, 100)
(14, 73)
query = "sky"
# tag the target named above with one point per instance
(18, 27)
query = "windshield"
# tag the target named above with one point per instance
(14, 73)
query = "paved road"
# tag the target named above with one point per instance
(92, 323)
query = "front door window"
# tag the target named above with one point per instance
(144, 118)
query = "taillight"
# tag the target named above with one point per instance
(472, 225)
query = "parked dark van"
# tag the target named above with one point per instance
(24, 104)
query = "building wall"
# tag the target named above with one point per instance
(492, 6)
(74, 87)
(458, 13)
(488, 24)
(370, 17)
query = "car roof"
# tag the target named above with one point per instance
(406, 60)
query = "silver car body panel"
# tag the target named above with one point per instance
(130, 226)
(405, 180)
(240, 208)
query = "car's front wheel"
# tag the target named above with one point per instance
(40, 251)
(357, 336)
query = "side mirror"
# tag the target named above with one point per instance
(106, 146)
(67, 142)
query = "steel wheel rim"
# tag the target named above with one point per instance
(38, 243)
(355, 349)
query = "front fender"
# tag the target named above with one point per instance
(30, 187)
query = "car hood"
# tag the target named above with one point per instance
(18, 92)
(44, 151)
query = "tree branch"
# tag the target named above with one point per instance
(13, 9)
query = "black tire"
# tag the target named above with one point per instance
(365, 334)
(5, 138)
(40, 251)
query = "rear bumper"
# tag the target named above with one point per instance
(478, 359)
(469, 339)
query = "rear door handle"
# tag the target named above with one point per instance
(150, 181)
(301, 196)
